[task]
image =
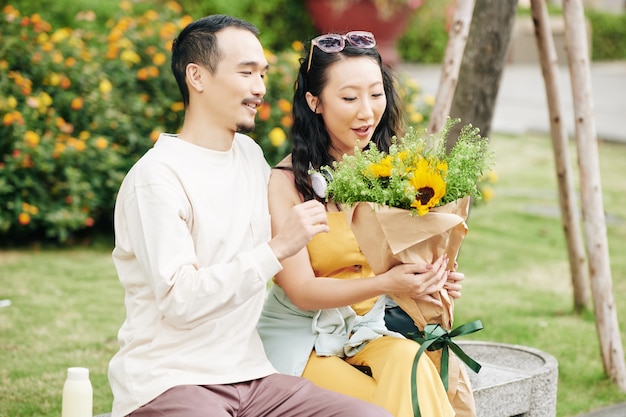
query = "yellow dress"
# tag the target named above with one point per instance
(337, 254)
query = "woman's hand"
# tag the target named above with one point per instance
(418, 281)
(453, 284)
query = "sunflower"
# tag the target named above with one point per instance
(429, 184)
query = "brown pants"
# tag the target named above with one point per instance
(276, 395)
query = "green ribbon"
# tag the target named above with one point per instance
(435, 337)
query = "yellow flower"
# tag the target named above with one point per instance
(105, 86)
(60, 35)
(59, 148)
(297, 46)
(429, 187)
(23, 219)
(151, 15)
(43, 38)
(416, 117)
(79, 145)
(167, 30)
(153, 71)
(184, 21)
(277, 136)
(45, 100)
(101, 143)
(284, 105)
(174, 6)
(381, 169)
(130, 57)
(142, 74)
(53, 79)
(31, 138)
(159, 58)
(8, 119)
(30, 209)
(286, 121)
(57, 57)
(488, 193)
(11, 102)
(77, 103)
(429, 99)
(177, 106)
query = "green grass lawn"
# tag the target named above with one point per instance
(66, 304)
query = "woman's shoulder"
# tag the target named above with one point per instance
(284, 164)
(284, 169)
(282, 182)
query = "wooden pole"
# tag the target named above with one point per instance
(457, 38)
(560, 145)
(591, 191)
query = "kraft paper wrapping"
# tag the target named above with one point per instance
(389, 236)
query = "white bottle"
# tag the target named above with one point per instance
(77, 394)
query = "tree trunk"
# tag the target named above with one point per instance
(457, 38)
(591, 190)
(560, 145)
(482, 65)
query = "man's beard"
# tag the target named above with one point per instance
(245, 128)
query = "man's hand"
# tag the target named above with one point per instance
(304, 221)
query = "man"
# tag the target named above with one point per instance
(193, 250)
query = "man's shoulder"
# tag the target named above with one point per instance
(245, 140)
(250, 146)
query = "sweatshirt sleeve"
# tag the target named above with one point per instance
(154, 236)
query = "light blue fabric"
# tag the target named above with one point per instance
(289, 333)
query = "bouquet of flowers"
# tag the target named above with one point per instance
(410, 205)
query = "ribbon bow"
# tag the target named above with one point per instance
(435, 337)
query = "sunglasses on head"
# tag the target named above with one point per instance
(331, 42)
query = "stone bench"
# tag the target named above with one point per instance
(514, 381)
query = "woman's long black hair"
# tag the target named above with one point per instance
(309, 135)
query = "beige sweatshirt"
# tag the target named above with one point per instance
(191, 233)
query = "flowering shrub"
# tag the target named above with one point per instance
(76, 114)
(416, 174)
(80, 105)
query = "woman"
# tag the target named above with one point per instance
(324, 317)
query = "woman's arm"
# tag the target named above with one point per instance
(310, 293)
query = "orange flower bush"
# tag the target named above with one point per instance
(76, 114)
(78, 106)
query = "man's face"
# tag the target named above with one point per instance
(237, 88)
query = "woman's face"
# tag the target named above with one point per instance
(351, 104)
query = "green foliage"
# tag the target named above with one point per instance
(416, 174)
(469, 161)
(80, 105)
(608, 40)
(280, 21)
(426, 36)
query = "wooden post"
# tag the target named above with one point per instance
(591, 191)
(457, 38)
(560, 145)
